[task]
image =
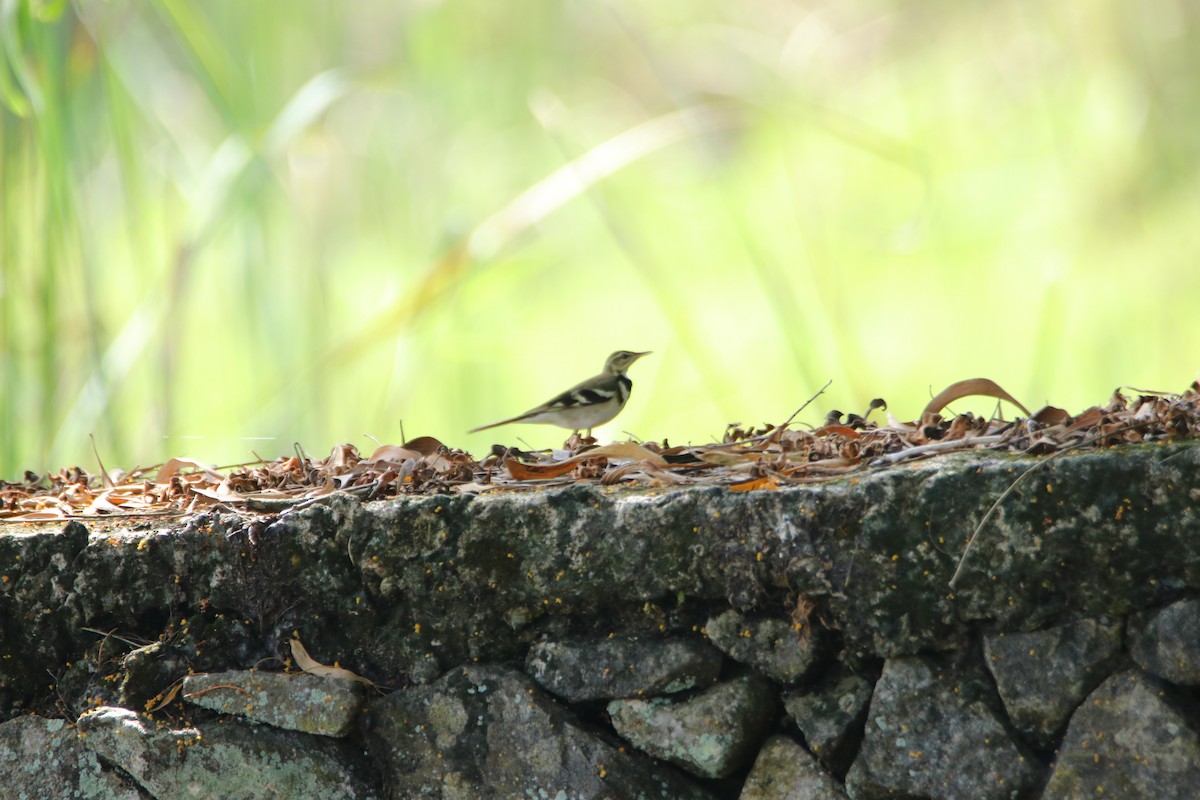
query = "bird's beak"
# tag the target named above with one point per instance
(639, 355)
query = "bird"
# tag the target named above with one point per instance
(586, 405)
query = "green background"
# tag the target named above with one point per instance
(226, 227)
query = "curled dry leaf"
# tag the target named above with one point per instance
(533, 472)
(843, 430)
(425, 445)
(164, 699)
(313, 667)
(974, 386)
(1050, 415)
(172, 466)
(392, 454)
(625, 450)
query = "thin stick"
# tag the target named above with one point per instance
(107, 481)
(807, 403)
(966, 550)
(970, 442)
(963, 559)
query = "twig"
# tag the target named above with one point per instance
(807, 403)
(950, 444)
(107, 481)
(214, 687)
(966, 550)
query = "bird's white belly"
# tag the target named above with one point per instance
(579, 417)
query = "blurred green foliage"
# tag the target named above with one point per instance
(307, 221)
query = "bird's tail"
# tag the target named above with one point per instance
(497, 424)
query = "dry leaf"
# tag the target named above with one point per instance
(313, 667)
(161, 700)
(532, 472)
(757, 483)
(102, 505)
(626, 450)
(392, 454)
(1049, 415)
(844, 430)
(968, 388)
(425, 445)
(172, 466)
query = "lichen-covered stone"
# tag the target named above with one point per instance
(43, 759)
(622, 666)
(785, 771)
(931, 732)
(775, 647)
(1127, 740)
(149, 672)
(711, 735)
(1166, 641)
(37, 631)
(829, 714)
(402, 591)
(1043, 675)
(227, 758)
(490, 732)
(305, 703)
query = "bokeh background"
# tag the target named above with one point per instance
(229, 226)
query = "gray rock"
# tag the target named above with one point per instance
(711, 735)
(305, 703)
(403, 590)
(622, 667)
(1166, 641)
(931, 733)
(482, 732)
(772, 646)
(786, 771)
(1127, 740)
(35, 588)
(1042, 676)
(224, 759)
(828, 714)
(43, 759)
(149, 673)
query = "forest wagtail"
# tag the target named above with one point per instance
(588, 405)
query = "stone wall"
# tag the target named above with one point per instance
(596, 643)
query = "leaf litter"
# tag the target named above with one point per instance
(768, 457)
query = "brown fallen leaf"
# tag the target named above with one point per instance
(38, 516)
(968, 388)
(627, 450)
(172, 466)
(1088, 419)
(313, 667)
(844, 430)
(758, 483)
(532, 472)
(393, 454)
(342, 457)
(425, 445)
(103, 505)
(164, 699)
(1051, 415)
(618, 450)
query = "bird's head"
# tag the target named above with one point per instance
(619, 361)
